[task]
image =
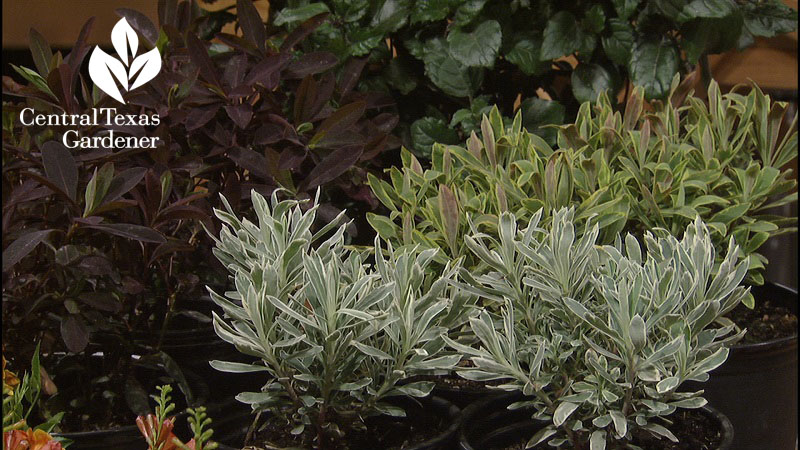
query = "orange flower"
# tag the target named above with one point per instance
(29, 440)
(10, 380)
(147, 426)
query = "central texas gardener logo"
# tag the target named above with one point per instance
(129, 71)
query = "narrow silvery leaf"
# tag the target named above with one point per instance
(124, 37)
(667, 384)
(541, 436)
(638, 332)
(598, 440)
(563, 412)
(101, 67)
(620, 422)
(150, 65)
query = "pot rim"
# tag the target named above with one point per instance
(771, 344)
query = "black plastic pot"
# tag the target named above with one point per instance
(489, 425)
(757, 386)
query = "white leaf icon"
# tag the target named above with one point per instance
(124, 37)
(150, 65)
(106, 71)
(101, 66)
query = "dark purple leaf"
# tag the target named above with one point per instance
(234, 71)
(41, 52)
(261, 72)
(332, 166)
(199, 117)
(268, 133)
(60, 167)
(338, 122)
(250, 21)
(304, 100)
(103, 301)
(21, 247)
(168, 248)
(131, 231)
(199, 55)
(240, 114)
(123, 183)
(250, 160)
(291, 158)
(96, 265)
(180, 212)
(350, 75)
(140, 23)
(303, 30)
(374, 147)
(237, 43)
(167, 11)
(74, 333)
(28, 191)
(79, 50)
(311, 63)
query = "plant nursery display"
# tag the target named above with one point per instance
(334, 334)
(461, 55)
(599, 338)
(398, 224)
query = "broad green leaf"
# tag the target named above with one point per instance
(652, 66)
(478, 47)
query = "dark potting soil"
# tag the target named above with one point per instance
(764, 322)
(457, 383)
(382, 432)
(694, 430)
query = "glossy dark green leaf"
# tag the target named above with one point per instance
(430, 10)
(469, 10)
(427, 131)
(400, 76)
(477, 47)
(526, 54)
(625, 8)
(561, 36)
(595, 19)
(447, 73)
(299, 14)
(769, 18)
(589, 80)
(710, 36)
(537, 112)
(706, 9)
(653, 64)
(620, 42)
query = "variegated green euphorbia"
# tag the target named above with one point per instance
(599, 338)
(649, 167)
(333, 334)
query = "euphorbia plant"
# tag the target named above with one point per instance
(600, 338)
(333, 334)
(656, 165)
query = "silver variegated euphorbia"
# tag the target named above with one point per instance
(334, 334)
(600, 337)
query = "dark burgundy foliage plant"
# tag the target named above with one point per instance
(104, 249)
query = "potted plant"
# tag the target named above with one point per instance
(654, 165)
(598, 339)
(545, 57)
(334, 335)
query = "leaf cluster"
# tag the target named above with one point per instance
(600, 338)
(333, 333)
(452, 52)
(652, 166)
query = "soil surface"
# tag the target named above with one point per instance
(694, 430)
(457, 383)
(764, 322)
(382, 432)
